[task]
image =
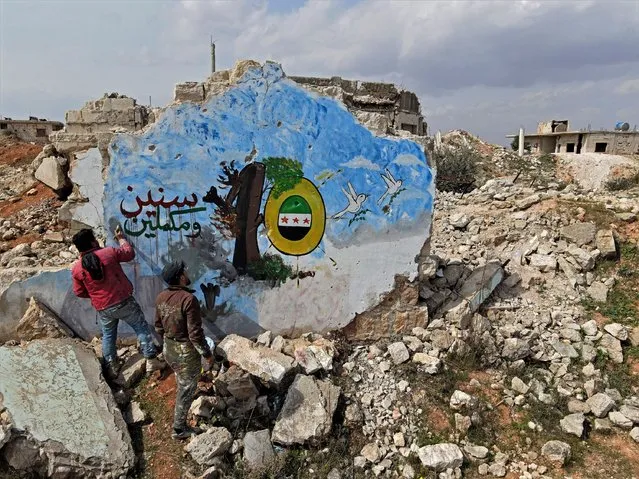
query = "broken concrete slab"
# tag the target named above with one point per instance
(205, 447)
(263, 363)
(481, 283)
(258, 448)
(39, 322)
(605, 242)
(63, 411)
(579, 233)
(132, 371)
(308, 411)
(50, 173)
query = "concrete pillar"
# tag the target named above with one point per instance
(521, 142)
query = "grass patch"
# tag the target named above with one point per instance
(623, 183)
(595, 212)
(622, 305)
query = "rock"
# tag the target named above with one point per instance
(408, 472)
(590, 328)
(398, 352)
(544, 263)
(575, 405)
(613, 347)
(605, 242)
(618, 419)
(631, 412)
(582, 258)
(600, 404)
(40, 322)
(334, 474)
(573, 424)
(519, 386)
(237, 383)
(205, 447)
(132, 371)
(353, 414)
(313, 356)
(53, 237)
(598, 291)
(579, 233)
(459, 221)
(515, 348)
(634, 434)
(462, 423)
(51, 173)
(264, 363)
(258, 448)
(264, 339)
(476, 452)
(432, 365)
(64, 416)
(617, 330)
(134, 413)
(603, 425)
(399, 440)
(480, 284)
(627, 217)
(527, 202)
(308, 411)
(460, 399)
(497, 470)
(204, 406)
(556, 451)
(212, 472)
(371, 452)
(441, 456)
(565, 350)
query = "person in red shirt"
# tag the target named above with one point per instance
(98, 275)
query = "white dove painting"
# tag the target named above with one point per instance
(355, 201)
(392, 185)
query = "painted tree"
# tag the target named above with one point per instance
(238, 213)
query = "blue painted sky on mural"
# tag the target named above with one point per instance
(183, 151)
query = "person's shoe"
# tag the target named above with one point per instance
(154, 364)
(111, 369)
(186, 433)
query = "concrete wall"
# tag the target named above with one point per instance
(106, 113)
(563, 140)
(217, 183)
(617, 143)
(31, 131)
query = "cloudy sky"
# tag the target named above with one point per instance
(486, 66)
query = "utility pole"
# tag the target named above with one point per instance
(521, 142)
(212, 55)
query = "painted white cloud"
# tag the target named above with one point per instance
(361, 162)
(408, 160)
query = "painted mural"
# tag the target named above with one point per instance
(290, 215)
(287, 211)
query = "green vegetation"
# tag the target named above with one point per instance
(623, 183)
(270, 267)
(283, 173)
(457, 169)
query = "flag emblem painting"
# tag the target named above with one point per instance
(296, 219)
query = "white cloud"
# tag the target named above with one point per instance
(628, 86)
(361, 162)
(408, 160)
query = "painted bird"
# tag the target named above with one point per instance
(392, 185)
(355, 201)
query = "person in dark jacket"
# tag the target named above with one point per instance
(98, 275)
(178, 320)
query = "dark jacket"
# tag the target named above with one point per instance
(177, 317)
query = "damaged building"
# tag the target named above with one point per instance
(555, 136)
(36, 130)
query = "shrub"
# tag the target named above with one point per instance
(457, 169)
(622, 183)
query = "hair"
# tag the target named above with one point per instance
(174, 272)
(84, 240)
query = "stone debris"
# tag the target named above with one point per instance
(264, 363)
(51, 173)
(205, 447)
(600, 404)
(398, 352)
(573, 424)
(556, 451)
(258, 448)
(308, 411)
(441, 457)
(134, 413)
(39, 322)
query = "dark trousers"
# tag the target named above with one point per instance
(187, 365)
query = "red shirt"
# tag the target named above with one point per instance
(115, 287)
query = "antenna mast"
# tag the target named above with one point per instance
(212, 55)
